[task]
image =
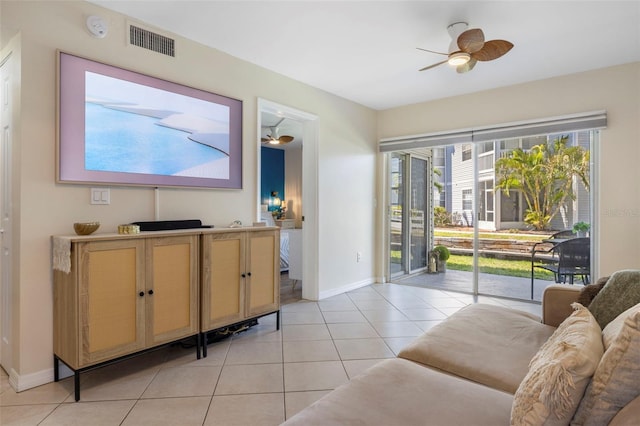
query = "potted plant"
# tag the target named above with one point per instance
(581, 229)
(443, 256)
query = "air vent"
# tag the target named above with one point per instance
(152, 41)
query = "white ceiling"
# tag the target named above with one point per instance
(366, 50)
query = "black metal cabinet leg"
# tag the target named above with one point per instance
(198, 343)
(204, 344)
(76, 384)
(278, 320)
(56, 369)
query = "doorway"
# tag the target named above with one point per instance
(302, 201)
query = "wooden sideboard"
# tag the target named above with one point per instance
(125, 294)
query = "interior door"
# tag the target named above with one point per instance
(6, 96)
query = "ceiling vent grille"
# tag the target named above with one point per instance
(152, 41)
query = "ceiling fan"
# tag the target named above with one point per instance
(273, 138)
(468, 47)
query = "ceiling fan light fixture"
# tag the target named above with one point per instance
(273, 141)
(458, 58)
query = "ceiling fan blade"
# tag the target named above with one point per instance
(432, 66)
(432, 51)
(492, 49)
(285, 139)
(471, 40)
(466, 67)
(265, 140)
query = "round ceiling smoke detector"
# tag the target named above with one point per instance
(97, 26)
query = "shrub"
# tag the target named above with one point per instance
(441, 216)
(580, 227)
(443, 252)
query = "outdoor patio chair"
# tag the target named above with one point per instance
(570, 258)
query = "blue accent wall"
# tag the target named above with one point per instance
(271, 173)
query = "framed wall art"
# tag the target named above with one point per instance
(121, 127)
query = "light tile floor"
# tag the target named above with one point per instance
(258, 377)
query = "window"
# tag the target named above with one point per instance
(485, 205)
(467, 201)
(466, 152)
(510, 210)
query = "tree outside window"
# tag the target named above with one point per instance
(544, 175)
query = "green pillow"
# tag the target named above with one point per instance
(621, 292)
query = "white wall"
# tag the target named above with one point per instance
(614, 89)
(347, 156)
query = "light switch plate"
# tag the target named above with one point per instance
(100, 196)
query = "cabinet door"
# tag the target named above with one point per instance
(111, 278)
(263, 272)
(171, 288)
(223, 287)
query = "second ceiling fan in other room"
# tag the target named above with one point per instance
(468, 47)
(273, 137)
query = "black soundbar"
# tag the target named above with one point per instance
(169, 225)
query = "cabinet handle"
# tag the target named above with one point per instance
(249, 274)
(244, 275)
(141, 294)
(150, 292)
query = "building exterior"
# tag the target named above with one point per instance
(496, 210)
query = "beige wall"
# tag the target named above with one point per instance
(615, 89)
(346, 162)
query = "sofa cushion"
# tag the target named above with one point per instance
(621, 292)
(488, 344)
(400, 392)
(616, 381)
(629, 415)
(559, 372)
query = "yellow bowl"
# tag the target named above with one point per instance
(86, 228)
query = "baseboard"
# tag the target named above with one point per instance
(346, 288)
(27, 381)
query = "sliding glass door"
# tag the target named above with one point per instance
(470, 199)
(409, 213)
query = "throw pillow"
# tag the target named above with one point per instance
(621, 292)
(615, 382)
(590, 291)
(613, 329)
(559, 373)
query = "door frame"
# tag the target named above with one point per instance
(310, 229)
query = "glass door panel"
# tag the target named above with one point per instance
(396, 208)
(506, 237)
(419, 220)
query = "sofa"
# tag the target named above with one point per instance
(491, 365)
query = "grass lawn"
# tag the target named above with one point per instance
(512, 268)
